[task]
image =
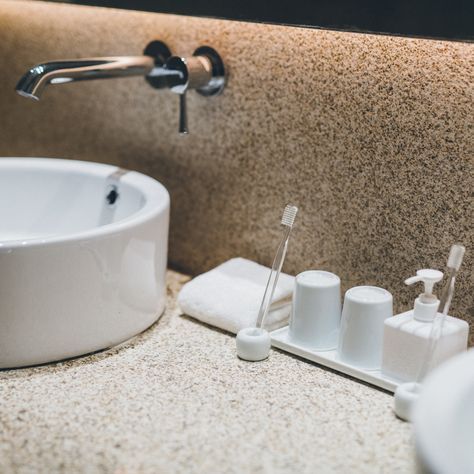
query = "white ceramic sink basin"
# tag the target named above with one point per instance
(78, 272)
(443, 418)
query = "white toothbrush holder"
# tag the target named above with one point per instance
(253, 344)
(316, 310)
(361, 338)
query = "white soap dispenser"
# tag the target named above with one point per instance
(407, 335)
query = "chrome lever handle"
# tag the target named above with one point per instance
(183, 116)
(203, 71)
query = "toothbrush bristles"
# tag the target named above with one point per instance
(455, 257)
(289, 215)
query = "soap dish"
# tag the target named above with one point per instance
(281, 340)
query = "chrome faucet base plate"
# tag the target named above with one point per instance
(217, 83)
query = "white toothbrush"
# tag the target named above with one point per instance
(254, 343)
(287, 221)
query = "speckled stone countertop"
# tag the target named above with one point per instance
(177, 399)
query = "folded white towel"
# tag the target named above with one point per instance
(229, 296)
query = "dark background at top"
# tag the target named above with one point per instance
(433, 19)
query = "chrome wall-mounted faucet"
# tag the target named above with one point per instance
(204, 72)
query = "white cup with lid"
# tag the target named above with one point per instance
(361, 338)
(316, 311)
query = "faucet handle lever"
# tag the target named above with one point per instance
(183, 116)
(203, 71)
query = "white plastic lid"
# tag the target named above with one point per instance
(317, 278)
(369, 294)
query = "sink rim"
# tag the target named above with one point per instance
(155, 194)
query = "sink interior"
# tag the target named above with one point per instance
(40, 203)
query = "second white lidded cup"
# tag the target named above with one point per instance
(316, 312)
(363, 315)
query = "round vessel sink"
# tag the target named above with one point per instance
(83, 254)
(443, 418)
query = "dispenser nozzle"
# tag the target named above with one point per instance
(429, 277)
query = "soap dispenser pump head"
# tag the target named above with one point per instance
(426, 305)
(428, 277)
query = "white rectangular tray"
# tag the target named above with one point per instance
(281, 340)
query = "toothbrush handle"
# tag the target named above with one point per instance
(436, 331)
(273, 278)
(433, 338)
(447, 293)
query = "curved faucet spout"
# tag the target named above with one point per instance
(203, 72)
(32, 84)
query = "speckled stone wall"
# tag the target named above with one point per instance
(371, 136)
